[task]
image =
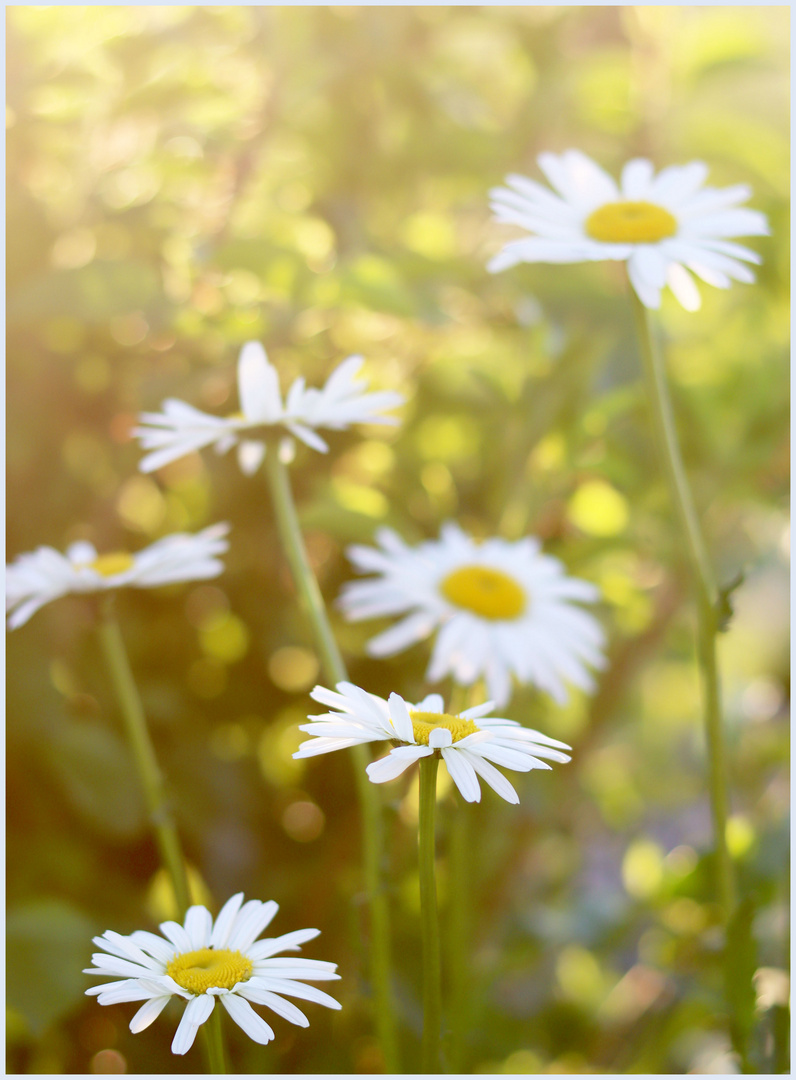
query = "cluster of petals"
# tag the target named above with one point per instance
(139, 961)
(360, 717)
(181, 429)
(547, 643)
(37, 577)
(704, 218)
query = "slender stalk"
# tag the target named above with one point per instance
(460, 934)
(335, 671)
(432, 997)
(706, 595)
(160, 816)
(214, 1041)
(458, 920)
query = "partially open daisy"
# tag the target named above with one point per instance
(39, 576)
(181, 428)
(467, 742)
(660, 225)
(204, 961)
(501, 608)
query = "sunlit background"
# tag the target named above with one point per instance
(184, 179)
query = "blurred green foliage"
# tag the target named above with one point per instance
(183, 179)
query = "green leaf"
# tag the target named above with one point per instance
(48, 945)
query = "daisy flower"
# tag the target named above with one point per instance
(663, 226)
(39, 576)
(468, 743)
(181, 428)
(204, 961)
(501, 608)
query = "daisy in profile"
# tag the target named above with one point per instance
(204, 961)
(181, 428)
(468, 742)
(500, 609)
(37, 577)
(662, 226)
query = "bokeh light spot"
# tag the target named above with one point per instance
(108, 1062)
(73, 249)
(740, 835)
(224, 638)
(303, 821)
(579, 975)
(278, 742)
(293, 668)
(642, 869)
(141, 504)
(598, 509)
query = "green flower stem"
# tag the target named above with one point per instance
(459, 907)
(432, 1009)
(460, 934)
(334, 672)
(214, 1041)
(160, 816)
(706, 595)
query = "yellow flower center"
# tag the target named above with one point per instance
(489, 593)
(630, 223)
(114, 563)
(423, 723)
(205, 969)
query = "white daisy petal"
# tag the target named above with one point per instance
(578, 179)
(285, 1009)
(682, 285)
(198, 924)
(473, 642)
(181, 429)
(308, 437)
(462, 774)
(251, 924)
(270, 946)
(648, 293)
(296, 989)
(225, 920)
(125, 947)
(247, 1019)
(250, 456)
(37, 577)
(496, 780)
(113, 965)
(258, 385)
(177, 935)
(413, 628)
(296, 967)
(196, 1012)
(396, 762)
(636, 177)
(399, 715)
(148, 1013)
(229, 965)
(434, 703)
(118, 992)
(161, 950)
(653, 213)
(439, 738)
